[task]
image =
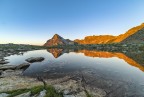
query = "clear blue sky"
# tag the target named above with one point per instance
(35, 21)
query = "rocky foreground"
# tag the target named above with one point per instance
(65, 87)
(14, 84)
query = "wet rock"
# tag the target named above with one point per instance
(4, 95)
(3, 62)
(6, 67)
(23, 66)
(34, 59)
(42, 93)
(24, 95)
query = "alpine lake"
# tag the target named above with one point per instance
(119, 74)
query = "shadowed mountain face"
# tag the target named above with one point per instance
(58, 40)
(128, 57)
(136, 37)
(133, 35)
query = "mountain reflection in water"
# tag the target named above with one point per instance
(120, 72)
(101, 54)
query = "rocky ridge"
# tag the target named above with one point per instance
(134, 35)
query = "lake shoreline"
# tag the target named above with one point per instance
(76, 84)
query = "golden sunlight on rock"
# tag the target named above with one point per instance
(102, 54)
(105, 39)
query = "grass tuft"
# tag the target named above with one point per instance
(17, 92)
(36, 90)
(87, 94)
(51, 92)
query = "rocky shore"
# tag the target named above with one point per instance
(11, 79)
(87, 83)
(14, 84)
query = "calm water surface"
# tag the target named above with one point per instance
(101, 69)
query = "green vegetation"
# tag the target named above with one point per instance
(87, 94)
(50, 91)
(19, 47)
(115, 47)
(36, 90)
(16, 92)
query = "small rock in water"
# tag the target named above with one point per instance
(4, 95)
(22, 66)
(24, 95)
(34, 59)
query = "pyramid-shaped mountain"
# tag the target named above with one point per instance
(58, 40)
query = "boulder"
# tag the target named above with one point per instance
(23, 66)
(13, 67)
(6, 67)
(35, 59)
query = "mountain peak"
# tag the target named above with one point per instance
(58, 40)
(56, 36)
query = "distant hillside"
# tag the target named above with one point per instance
(58, 40)
(137, 37)
(133, 35)
(102, 39)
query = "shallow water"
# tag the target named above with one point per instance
(104, 70)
